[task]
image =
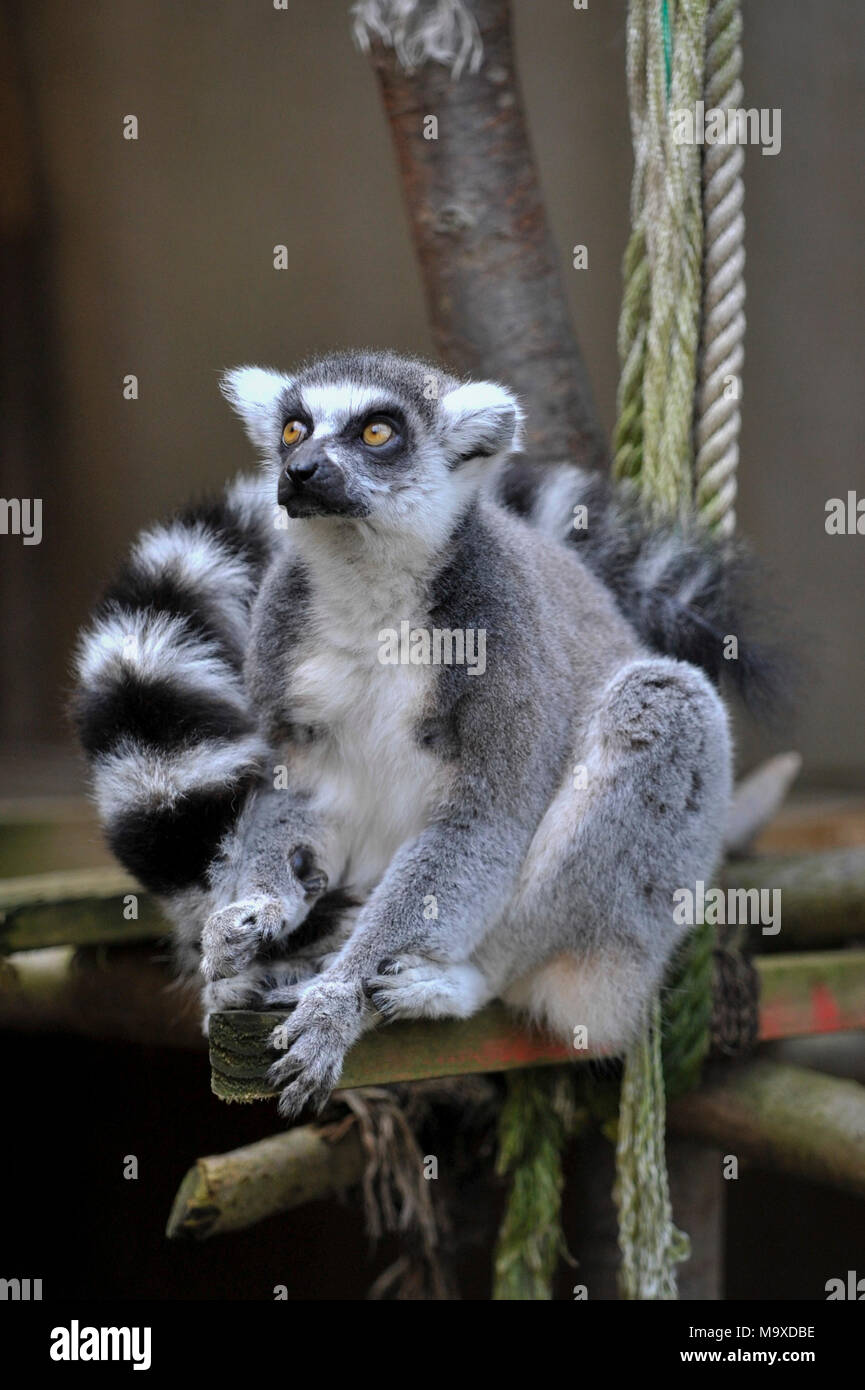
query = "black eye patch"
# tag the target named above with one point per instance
(291, 408)
(385, 415)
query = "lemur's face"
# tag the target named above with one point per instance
(371, 435)
(343, 445)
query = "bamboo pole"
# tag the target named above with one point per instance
(822, 896)
(228, 1192)
(124, 994)
(80, 907)
(799, 1121)
(822, 903)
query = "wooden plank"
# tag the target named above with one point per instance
(814, 821)
(817, 992)
(122, 991)
(490, 1041)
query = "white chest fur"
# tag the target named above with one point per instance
(357, 753)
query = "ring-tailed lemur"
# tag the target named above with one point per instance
(336, 822)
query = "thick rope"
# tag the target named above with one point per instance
(722, 352)
(636, 295)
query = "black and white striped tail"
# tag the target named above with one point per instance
(159, 703)
(684, 591)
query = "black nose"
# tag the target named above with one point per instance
(303, 469)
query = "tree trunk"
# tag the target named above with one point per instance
(489, 266)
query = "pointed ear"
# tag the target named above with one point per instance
(254, 392)
(481, 418)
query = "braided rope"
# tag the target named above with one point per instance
(628, 437)
(722, 352)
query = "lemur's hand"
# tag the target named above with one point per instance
(235, 935)
(313, 1042)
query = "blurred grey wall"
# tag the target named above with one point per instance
(260, 127)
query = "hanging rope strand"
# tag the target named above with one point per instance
(722, 351)
(636, 298)
(674, 239)
(650, 1243)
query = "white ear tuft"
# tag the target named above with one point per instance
(481, 419)
(253, 392)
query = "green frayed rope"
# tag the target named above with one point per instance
(660, 318)
(537, 1119)
(651, 1245)
(687, 1011)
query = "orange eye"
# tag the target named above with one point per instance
(294, 431)
(377, 432)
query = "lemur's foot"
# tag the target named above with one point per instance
(313, 1042)
(659, 722)
(653, 701)
(417, 987)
